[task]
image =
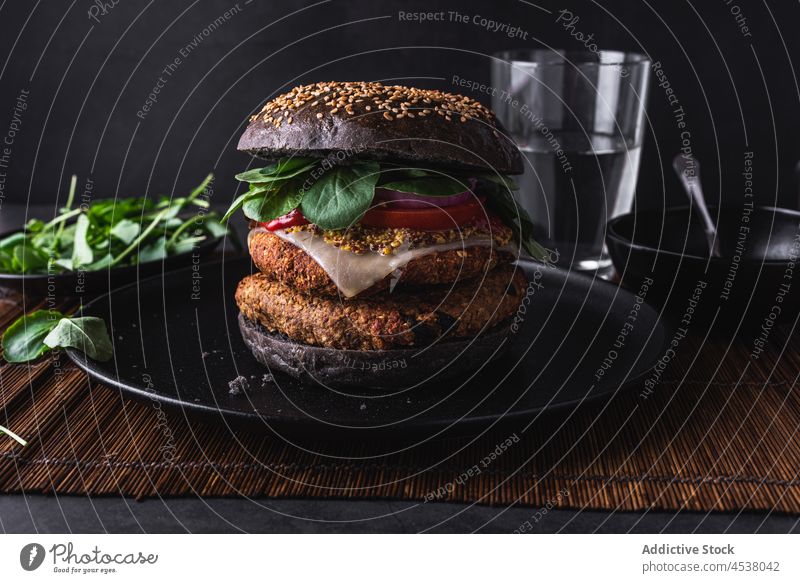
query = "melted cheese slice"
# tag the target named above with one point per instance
(352, 272)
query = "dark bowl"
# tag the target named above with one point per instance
(88, 284)
(665, 255)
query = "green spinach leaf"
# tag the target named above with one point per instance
(338, 198)
(255, 191)
(104, 262)
(155, 251)
(275, 203)
(429, 185)
(23, 340)
(82, 253)
(503, 181)
(108, 233)
(281, 170)
(126, 230)
(214, 228)
(65, 264)
(29, 259)
(87, 334)
(513, 215)
(8, 243)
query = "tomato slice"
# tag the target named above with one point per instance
(387, 215)
(432, 218)
(292, 219)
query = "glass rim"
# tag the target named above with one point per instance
(570, 57)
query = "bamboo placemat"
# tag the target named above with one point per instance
(719, 432)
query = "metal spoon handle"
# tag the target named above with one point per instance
(688, 170)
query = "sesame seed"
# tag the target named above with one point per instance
(396, 99)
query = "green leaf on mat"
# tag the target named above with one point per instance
(87, 334)
(23, 340)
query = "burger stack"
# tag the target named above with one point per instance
(384, 233)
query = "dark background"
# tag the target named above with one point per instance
(88, 79)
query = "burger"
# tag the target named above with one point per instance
(384, 231)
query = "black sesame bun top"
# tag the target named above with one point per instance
(382, 122)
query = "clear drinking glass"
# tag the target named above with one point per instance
(578, 118)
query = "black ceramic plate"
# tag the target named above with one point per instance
(759, 252)
(177, 341)
(95, 283)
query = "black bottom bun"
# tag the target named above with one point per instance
(380, 369)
